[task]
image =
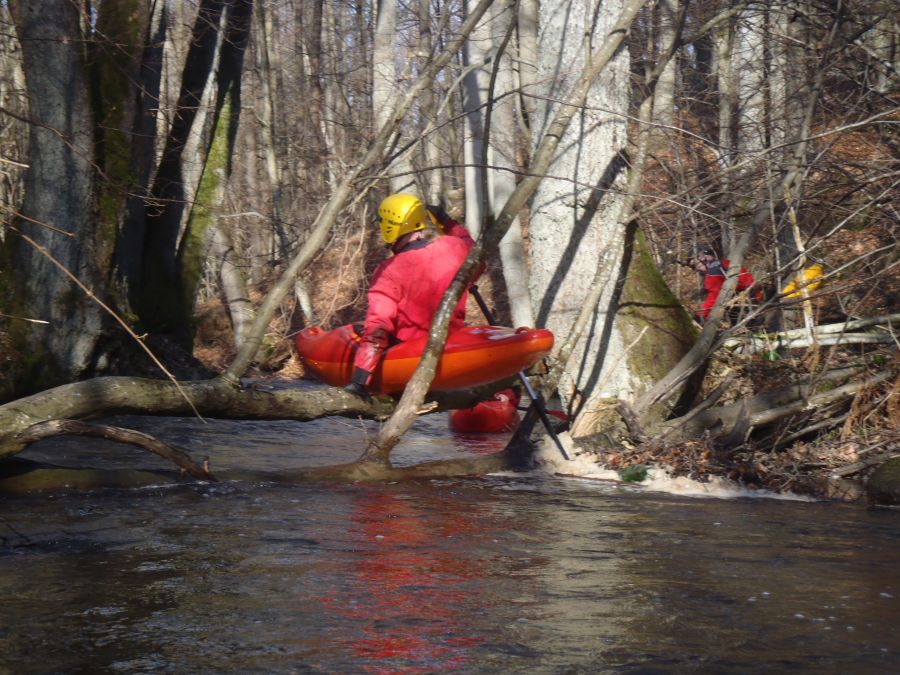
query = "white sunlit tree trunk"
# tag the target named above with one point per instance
(664, 97)
(575, 212)
(490, 147)
(386, 86)
(474, 98)
(504, 136)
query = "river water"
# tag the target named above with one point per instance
(533, 572)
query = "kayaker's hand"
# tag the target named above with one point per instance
(360, 391)
(441, 216)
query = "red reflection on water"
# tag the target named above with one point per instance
(411, 601)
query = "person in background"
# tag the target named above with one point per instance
(713, 271)
(428, 249)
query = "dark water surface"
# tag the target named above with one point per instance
(524, 573)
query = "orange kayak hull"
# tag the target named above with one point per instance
(473, 356)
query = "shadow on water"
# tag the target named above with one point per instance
(515, 572)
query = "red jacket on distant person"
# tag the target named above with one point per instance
(714, 279)
(407, 288)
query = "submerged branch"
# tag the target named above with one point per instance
(24, 477)
(128, 436)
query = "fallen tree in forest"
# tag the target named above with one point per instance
(881, 330)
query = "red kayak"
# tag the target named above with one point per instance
(473, 356)
(493, 416)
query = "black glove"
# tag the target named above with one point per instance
(358, 383)
(441, 216)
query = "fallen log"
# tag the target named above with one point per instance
(845, 332)
(211, 398)
(751, 344)
(766, 408)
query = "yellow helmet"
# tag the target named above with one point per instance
(400, 215)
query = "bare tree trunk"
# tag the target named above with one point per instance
(58, 208)
(726, 77)
(158, 295)
(147, 122)
(664, 96)
(528, 17)
(13, 130)
(234, 285)
(432, 150)
(575, 228)
(505, 138)
(475, 95)
(386, 86)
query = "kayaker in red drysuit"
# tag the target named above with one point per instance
(713, 271)
(428, 248)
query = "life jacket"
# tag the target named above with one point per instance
(809, 279)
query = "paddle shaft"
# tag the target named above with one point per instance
(537, 399)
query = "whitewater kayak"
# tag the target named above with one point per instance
(473, 356)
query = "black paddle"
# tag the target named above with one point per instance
(537, 399)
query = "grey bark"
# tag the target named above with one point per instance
(664, 95)
(59, 187)
(475, 98)
(575, 227)
(505, 138)
(387, 85)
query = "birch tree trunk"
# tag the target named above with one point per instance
(664, 96)
(475, 97)
(504, 141)
(575, 226)
(726, 77)
(386, 84)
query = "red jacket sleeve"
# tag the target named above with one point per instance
(381, 317)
